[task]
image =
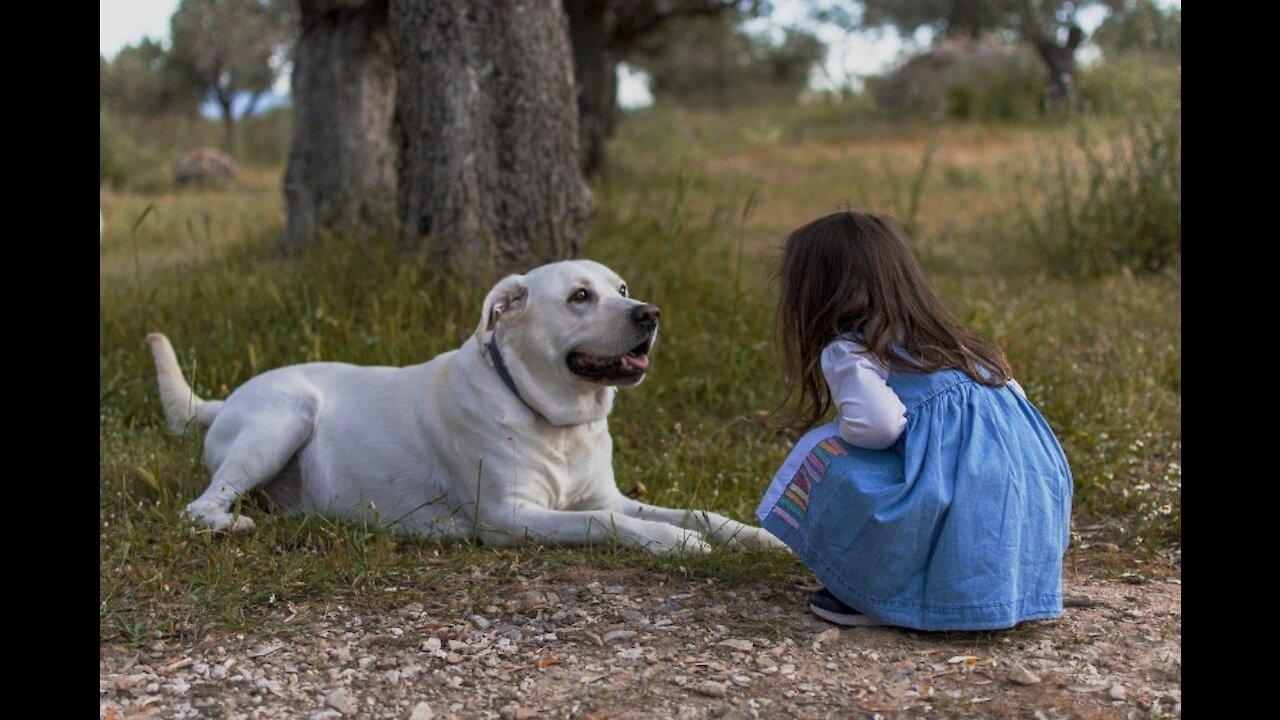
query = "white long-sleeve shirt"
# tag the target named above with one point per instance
(869, 412)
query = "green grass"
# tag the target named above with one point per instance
(690, 214)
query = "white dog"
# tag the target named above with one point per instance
(504, 439)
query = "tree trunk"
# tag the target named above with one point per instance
(228, 123)
(487, 131)
(595, 68)
(341, 173)
(1059, 60)
(1061, 64)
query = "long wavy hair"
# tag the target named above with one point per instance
(855, 272)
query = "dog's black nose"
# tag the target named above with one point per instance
(646, 315)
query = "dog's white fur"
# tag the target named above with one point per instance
(445, 449)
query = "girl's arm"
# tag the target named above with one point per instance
(870, 413)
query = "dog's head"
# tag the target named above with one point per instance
(569, 332)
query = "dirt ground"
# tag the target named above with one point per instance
(583, 643)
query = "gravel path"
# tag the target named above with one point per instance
(581, 643)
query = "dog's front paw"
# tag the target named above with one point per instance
(681, 541)
(222, 522)
(759, 538)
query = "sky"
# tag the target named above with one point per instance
(850, 56)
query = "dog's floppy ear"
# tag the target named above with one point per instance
(506, 302)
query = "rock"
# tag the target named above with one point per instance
(827, 636)
(453, 658)
(340, 701)
(618, 635)
(1117, 692)
(481, 622)
(531, 600)
(735, 644)
(325, 715)
(205, 166)
(713, 689)
(422, 711)
(516, 712)
(1020, 675)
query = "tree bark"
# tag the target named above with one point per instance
(595, 68)
(341, 173)
(487, 132)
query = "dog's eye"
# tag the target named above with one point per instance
(623, 289)
(582, 295)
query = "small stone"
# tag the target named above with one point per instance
(1020, 675)
(787, 669)
(325, 715)
(1117, 692)
(735, 644)
(481, 622)
(422, 711)
(340, 701)
(531, 599)
(453, 658)
(713, 689)
(618, 635)
(431, 644)
(827, 636)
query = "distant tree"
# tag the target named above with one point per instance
(1141, 26)
(232, 47)
(341, 172)
(143, 80)
(606, 33)
(712, 61)
(487, 132)
(1048, 25)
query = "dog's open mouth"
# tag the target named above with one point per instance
(626, 369)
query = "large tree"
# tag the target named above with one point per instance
(487, 131)
(605, 33)
(1048, 25)
(232, 47)
(341, 173)
(713, 62)
(143, 80)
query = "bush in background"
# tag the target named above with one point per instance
(1105, 202)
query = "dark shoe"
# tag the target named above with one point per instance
(829, 608)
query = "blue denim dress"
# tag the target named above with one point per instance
(960, 525)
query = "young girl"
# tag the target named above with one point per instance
(939, 498)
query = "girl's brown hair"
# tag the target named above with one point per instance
(854, 272)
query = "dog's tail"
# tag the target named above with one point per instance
(181, 405)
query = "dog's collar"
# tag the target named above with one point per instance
(504, 373)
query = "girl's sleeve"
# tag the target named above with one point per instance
(869, 412)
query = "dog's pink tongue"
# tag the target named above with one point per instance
(639, 362)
